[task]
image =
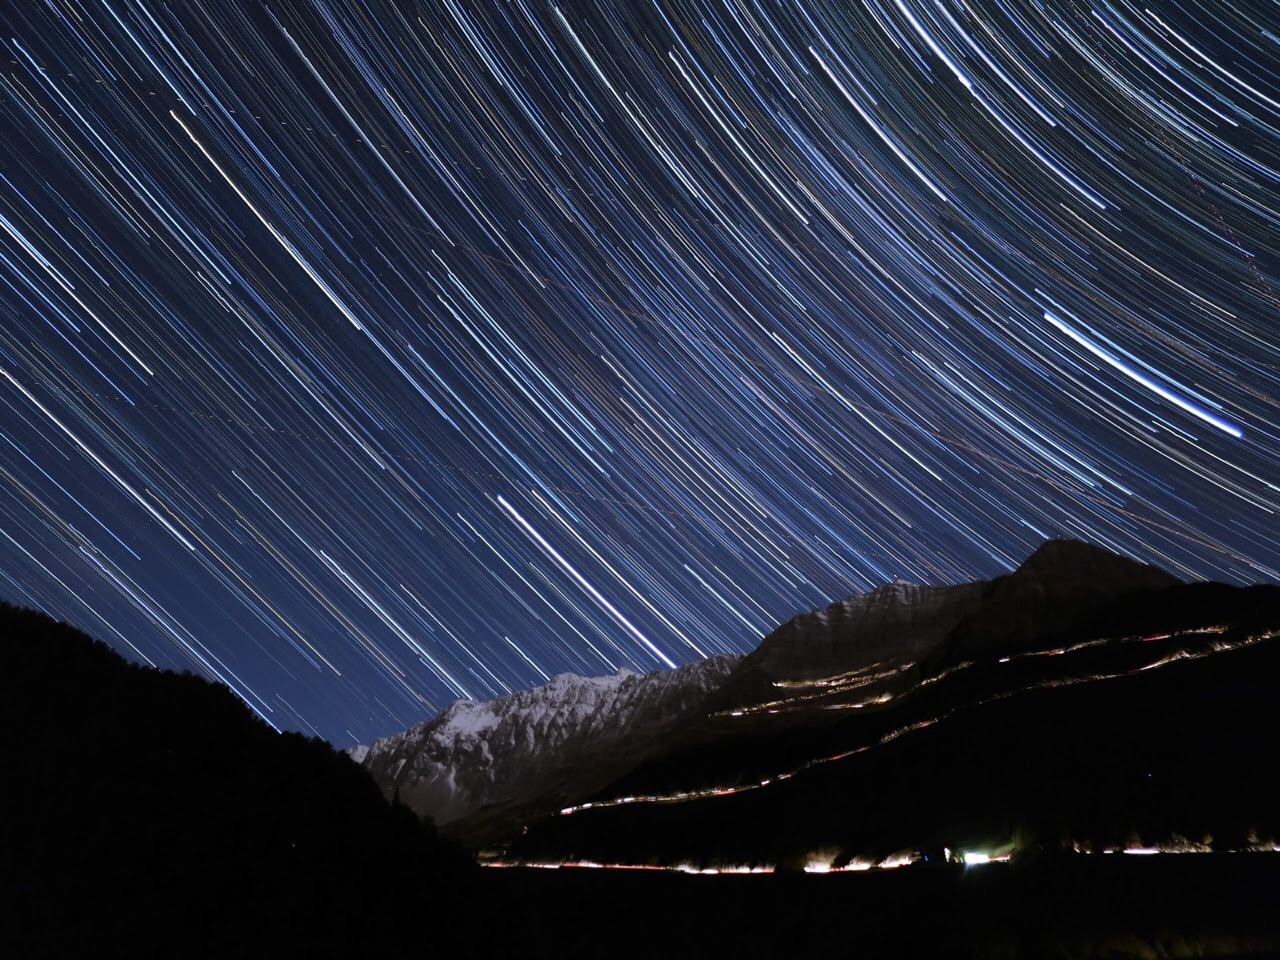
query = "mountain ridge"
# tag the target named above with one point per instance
(477, 768)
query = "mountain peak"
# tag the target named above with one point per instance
(897, 589)
(1062, 582)
(1068, 559)
(1066, 551)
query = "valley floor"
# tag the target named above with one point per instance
(1076, 907)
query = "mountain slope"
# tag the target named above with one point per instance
(866, 642)
(552, 744)
(1148, 711)
(1140, 759)
(898, 635)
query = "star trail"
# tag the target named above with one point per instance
(364, 356)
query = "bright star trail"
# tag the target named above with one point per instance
(364, 356)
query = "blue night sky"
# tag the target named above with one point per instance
(364, 356)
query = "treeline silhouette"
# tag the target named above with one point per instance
(153, 809)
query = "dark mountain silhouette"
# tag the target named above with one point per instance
(1083, 699)
(1083, 702)
(152, 811)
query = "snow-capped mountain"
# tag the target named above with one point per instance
(555, 741)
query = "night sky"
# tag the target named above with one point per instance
(364, 356)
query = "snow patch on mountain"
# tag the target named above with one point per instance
(477, 754)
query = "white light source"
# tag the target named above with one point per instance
(972, 858)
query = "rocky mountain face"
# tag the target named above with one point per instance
(572, 735)
(870, 642)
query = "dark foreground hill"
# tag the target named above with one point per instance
(151, 811)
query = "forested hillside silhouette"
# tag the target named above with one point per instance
(154, 807)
